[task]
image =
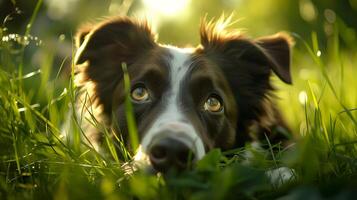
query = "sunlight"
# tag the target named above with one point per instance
(166, 7)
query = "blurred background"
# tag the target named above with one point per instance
(329, 26)
(177, 21)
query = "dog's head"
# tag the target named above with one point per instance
(186, 101)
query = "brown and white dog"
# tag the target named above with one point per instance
(186, 101)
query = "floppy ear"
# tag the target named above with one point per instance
(122, 37)
(101, 51)
(276, 50)
(81, 34)
(272, 51)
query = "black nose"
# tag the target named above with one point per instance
(168, 153)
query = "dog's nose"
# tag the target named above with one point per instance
(168, 153)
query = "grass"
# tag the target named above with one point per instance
(36, 164)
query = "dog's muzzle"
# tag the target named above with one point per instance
(166, 152)
(172, 146)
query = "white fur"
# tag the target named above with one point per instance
(277, 176)
(280, 176)
(172, 117)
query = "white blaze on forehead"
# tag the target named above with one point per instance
(172, 118)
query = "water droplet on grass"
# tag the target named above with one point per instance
(20, 39)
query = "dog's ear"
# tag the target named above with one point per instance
(124, 37)
(272, 51)
(102, 49)
(81, 34)
(277, 52)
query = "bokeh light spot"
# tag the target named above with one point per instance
(303, 97)
(307, 10)
(318, 53)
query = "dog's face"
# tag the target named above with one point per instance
(186, 101)
(182, 103)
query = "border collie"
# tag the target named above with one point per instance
(186, 101)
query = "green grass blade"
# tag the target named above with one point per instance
(129, 111)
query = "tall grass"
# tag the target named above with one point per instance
(35, 163)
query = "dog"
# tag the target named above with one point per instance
(186, 101)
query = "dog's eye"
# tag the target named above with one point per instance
(140, 94)
(213, 104)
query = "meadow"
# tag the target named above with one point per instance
(320, 107)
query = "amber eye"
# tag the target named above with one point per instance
(213, 104)
(140, 94)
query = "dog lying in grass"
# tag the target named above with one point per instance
(185, 101)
